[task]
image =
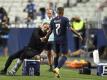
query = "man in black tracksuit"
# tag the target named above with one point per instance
(35, 47)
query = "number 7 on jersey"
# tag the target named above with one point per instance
(57, 28)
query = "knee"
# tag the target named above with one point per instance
(10, 58)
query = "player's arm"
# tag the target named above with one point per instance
(75, 32)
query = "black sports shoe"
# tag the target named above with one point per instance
(3, 72)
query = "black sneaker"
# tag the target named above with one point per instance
(3, 72)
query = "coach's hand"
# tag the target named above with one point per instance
(44, 39)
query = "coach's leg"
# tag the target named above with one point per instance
(16, 67)
(9, 61)
(28, 53)
(24, 55)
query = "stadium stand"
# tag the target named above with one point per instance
(15, 8)
(86, 10)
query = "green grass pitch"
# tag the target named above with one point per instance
(66, 74)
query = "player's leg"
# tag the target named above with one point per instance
(9, 61)
(49, 55)
(56, 59)
(64, 50)
(49, 47)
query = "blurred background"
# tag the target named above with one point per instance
(20, 17)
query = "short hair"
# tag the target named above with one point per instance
(49, 11)
(60, 10)
(45, 23)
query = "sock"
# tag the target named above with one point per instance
(56, 61)
(62, 61)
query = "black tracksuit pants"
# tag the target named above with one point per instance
(25, 53)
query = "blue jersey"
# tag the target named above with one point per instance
(59, 26)
(30, 8)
